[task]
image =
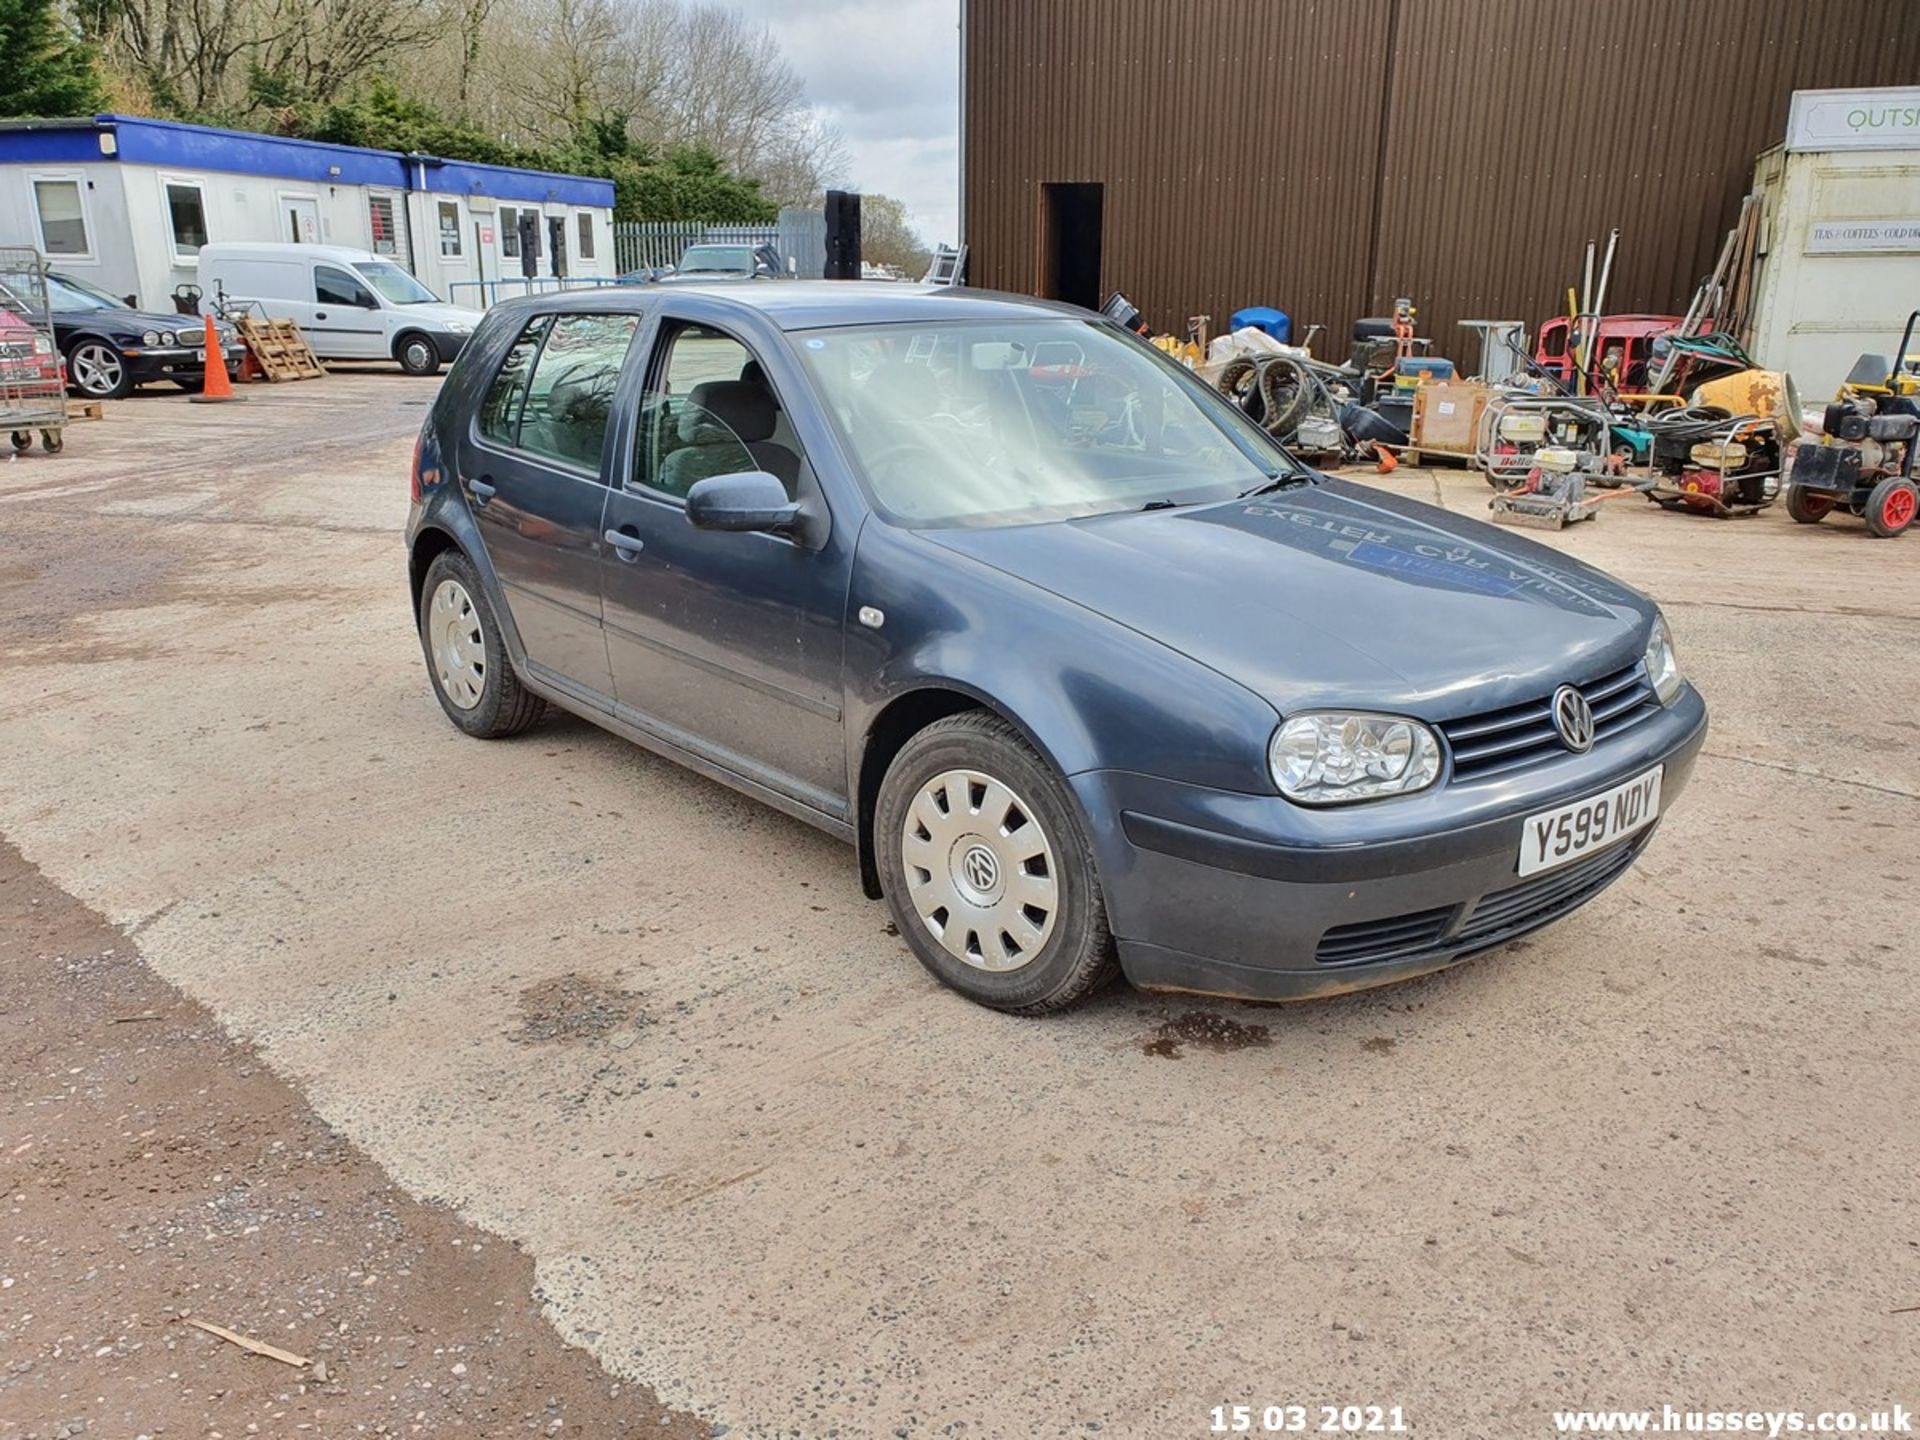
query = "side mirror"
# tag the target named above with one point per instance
(749, 500)
(133, 301)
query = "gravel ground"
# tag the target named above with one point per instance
(653, 1035)
(155, 1171)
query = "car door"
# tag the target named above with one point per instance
(347, 323)
(727, 645)
(531, 465)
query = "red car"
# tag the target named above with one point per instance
(32, 383)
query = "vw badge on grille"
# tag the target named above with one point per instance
(1573, 719)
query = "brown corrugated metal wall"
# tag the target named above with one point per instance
(1240, 143)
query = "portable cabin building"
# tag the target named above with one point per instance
(126, 203)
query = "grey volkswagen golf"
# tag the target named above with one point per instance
(1094, 677)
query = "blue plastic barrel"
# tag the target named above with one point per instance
(1263, 317)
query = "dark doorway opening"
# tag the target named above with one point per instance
(1070, 250)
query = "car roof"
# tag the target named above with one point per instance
(289, 249)
(819, 304)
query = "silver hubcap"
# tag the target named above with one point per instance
(417, 355)
(980, 870)
(459, 645)
(96, 369)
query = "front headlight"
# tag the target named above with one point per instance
(1663, 666)
(152, 337)
(1330, 757)
(458, 327)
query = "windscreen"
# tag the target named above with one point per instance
(729, 259)
(394, 283)
(971, 423)
(71, 296)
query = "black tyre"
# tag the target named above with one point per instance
(52, 441)
(466, 659)
(98, 370)
(1283, 395)
(1892, 506)
(987, 869)
(1806, 507)
(416, 354)
(22, 441)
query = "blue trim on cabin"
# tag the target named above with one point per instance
(175, 145)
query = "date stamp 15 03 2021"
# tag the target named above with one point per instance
(1307, 1420)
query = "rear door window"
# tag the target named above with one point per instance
(500, 411)
(571, 392)
(554, 390)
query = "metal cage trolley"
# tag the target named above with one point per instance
(33, 392)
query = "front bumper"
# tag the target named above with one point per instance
(174, 362)
(1252, 897)
(447, 345)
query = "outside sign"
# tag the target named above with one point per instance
(1864, 237)
(1887, 119)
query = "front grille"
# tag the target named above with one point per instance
(1540, 898)
(1523, 735)
(1497, 915)
(1382, 939)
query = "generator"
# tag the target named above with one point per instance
(1713, 462)
(1863, 460)
(1515, 428)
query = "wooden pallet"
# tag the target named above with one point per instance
(279, 349)
(83, 410)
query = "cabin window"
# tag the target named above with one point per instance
(63, 217)
(386, 240)
(186, 218)
(449, 229)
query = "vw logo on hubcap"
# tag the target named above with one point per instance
(981, 870)
(1573, 719)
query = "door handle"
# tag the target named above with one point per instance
(627, 545)
(481, 490)
(319, 314)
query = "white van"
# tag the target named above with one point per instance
(352, 304)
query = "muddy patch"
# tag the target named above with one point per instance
(574, 1007)
(1206, 1031)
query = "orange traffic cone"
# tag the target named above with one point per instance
(216, 387)
(1388, 461)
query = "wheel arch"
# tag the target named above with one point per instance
(898, 721)
(428, 546)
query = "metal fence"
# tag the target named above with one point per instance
(800, 236)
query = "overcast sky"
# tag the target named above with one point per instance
(887, 72)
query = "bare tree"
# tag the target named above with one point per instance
(887, 236)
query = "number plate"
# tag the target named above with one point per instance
(201, 356)
(1557, 837)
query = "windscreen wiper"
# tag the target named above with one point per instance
(1275, 482)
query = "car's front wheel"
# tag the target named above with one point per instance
(98, 370)
(987, 869)
(472, 677)
(416, 354)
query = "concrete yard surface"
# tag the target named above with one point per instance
(652, 1032)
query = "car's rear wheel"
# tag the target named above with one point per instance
(472, 677)
(98, 370)
(416, 354)
(987, 869)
